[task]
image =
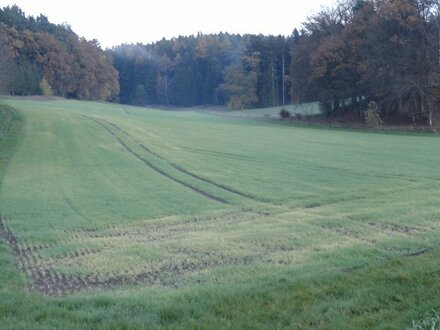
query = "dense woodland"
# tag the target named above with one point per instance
(37, 57)
(382, 51)
(240, 71)
(346, 57)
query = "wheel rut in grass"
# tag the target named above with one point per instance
(126, 111)
(396, 228)
(44, 280)
(53, 271)
(181, 169)
(185, 171)
(392, 231)
(46, 272)
(158, 170)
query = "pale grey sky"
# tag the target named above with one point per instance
(131, 21)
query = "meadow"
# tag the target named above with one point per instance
(305, 109)
(115, 216)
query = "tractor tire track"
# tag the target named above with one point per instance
(13, 243)
(41, 279)
(50, 282)
(158, 170)
(126, 111)
(167, 274)
(184, 171)
(195, 176)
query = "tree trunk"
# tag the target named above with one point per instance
(282, 81)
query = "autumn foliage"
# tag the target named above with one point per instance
(208, 69)
(44, 58)
(345, 57)
(386, 51)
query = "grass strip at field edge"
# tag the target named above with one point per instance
(10, 138)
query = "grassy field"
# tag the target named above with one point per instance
(123, 217)
(307, 109)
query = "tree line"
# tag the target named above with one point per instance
(215, 69)
(348, 56)
(358, 52)
(38, 57)
(364, 51)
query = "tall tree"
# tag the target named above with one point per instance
(241, 83)
(386, 51)
(8, 70)
(55, 58)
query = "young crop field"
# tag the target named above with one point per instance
(306, 109)
(114, 216)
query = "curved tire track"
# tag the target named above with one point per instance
(182, 170)
(157, 169)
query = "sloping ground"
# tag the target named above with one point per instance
(126, 217)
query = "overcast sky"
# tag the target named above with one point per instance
(131, 21)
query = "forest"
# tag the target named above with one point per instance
(360, 52)
(239, 71)
(38, 57)
(354, 55)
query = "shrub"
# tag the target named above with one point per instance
(284, 113)
(372, 115)
(46, 89)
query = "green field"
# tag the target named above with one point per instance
(307, 109)
(122, 217)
